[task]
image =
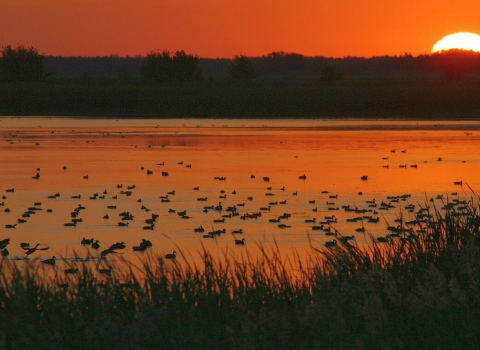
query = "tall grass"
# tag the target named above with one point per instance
(419, 290)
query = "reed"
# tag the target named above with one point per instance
(418, 290)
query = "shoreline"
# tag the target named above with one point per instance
(233, 125)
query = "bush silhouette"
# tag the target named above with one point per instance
(242, 68)
(21, 64)
(165, 67)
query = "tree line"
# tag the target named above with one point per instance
(26, 64)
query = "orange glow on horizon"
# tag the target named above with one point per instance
(214, 28)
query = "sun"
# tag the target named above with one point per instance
(458, 41)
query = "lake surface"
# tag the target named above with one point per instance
(332, 154)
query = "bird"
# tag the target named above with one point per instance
(71, 271)
(105, 252)
(4, 243)
(139, 248)
(331, 244)
(5, 252)
(240, 241)
(29, 251)
(146, 243)
(49, 261)
(118, 245)
(10, 226)
(171, 256)
(303, 177)
(86, 241)
(96, 245)
(106, 271)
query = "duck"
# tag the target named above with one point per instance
(29, 251)
(171, 256)
(345, 239)
(4, 243)
(106, 271)
(139, 248)
(331, 244)
(118, 245)
(86, 241)
(71, 271)
(49, 261)
(240, 241)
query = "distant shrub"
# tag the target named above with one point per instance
(242, 68)
(21, 64)
(165, 67)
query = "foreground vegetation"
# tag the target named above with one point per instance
(418, 290)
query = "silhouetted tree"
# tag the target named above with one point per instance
(242, 68)
(164, 67)
(21, 64)
(186, 66)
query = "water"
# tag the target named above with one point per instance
(333, 155)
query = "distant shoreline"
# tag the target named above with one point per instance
(234, 126)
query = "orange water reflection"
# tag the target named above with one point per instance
(333, 158)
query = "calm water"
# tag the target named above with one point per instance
(333, 154)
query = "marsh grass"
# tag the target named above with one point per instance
(419, 290)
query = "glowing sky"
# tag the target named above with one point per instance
(224, 28)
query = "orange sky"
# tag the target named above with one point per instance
(224, 28)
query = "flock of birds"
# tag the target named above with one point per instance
(368, 214)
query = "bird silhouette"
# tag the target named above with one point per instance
(49, 261)
(29, 251)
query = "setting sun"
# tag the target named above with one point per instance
(459, 41)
